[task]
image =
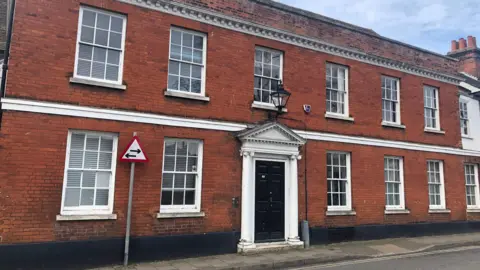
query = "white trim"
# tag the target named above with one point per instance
(401, 187)
(13, 104)
(97, 83)
(247, 27)
(203, 65)
(90, 210)
(469, 87)
(394, 125)
(186, 95)
(338, 116)
(477, 187)
(122, 49)
(396, 211)
(442, 206)
(331, 213)
(180, 215)
(439, 211)
(180, 209)
(432, 130)
(86, 217)
(266, 106)
(348, 186)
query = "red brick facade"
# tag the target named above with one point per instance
(32, 145)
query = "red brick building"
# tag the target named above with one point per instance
(380, 154)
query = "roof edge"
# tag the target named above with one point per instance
(356, 28)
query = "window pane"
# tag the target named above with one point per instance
(98, 70)
(187, 54)
(106, 144)
(88, 179)
(85, 52)
(178, 197)
(166, 197)
(176, 37)
(76, 159)
(170, 148)
(115, 40)
(175, 52)
(91, 159)
(196, 86)
(197, 56)
(101, 37)
(77, 141)
(190, 181)
(101, 197)
(167, 181)
(181, 164)
(116, 24)
(173, 82)
(83, 68)
(72, 197)
(184, 84)
(198, 42)
(189, 197)
(112, 73)
(187, 40)
(182, 148)
(185, 69)
(88, 18)
(87, 34)
(169, 163)
(105, 161)
(73, 178)
(103, 179)
(196, 72)
(87, 197)
(103, 21)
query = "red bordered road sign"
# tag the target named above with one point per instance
(134, 152)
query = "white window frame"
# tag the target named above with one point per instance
(204, 59)
(198, 184)
(122, 50)
(348, 185)
(346, 111)
(90, 210)
(442, 187)
(437, 109)
(465, 103)
(401, 187)
(398, 120)
(264, 49)
(477, 188)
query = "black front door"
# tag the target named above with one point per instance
(269, 201)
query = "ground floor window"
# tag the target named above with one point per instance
(338, 181)
(89, 173)
(436, 189)
(181, 179)
(394, 191)
(472, 189)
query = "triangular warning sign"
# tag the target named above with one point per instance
(134, 152)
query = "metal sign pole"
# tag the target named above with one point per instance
(129, 213)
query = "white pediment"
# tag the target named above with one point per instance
(272, 132)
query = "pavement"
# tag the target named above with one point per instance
(315, 255)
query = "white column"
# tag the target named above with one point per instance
(293, 201)
(247, 229)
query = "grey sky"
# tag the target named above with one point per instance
(430, 24)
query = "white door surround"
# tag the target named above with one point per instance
(273, 142)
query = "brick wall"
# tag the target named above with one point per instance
(229, 79)
(33, 156)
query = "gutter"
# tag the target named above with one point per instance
(6, 57)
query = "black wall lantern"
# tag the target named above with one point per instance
(280, 98)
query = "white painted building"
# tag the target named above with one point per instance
(469, 103)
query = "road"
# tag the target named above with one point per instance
(458, 259)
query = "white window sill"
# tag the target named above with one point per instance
(473, 210)
(338, 116)
(439, 211)
(180, 215)
(97, 83)
(467, 137)
(393, 125)
(86, 217)
(437, 131)
(396, 211)
(341, 213)
(266, 106)
(186, 95)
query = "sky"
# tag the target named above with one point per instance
(429, 24)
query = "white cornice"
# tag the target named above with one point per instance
(221, 20)
(11, 104)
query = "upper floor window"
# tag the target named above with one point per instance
(100, 45)
(390, 100)
(436, 188)
(268, 73)
(464, 117)
(432, 116)
(338, 181)
(182, 174)
(337, 89)
(394, 190)
(89, 173)
(472, 188)
(186, 68)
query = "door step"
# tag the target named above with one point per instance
(268, 247)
